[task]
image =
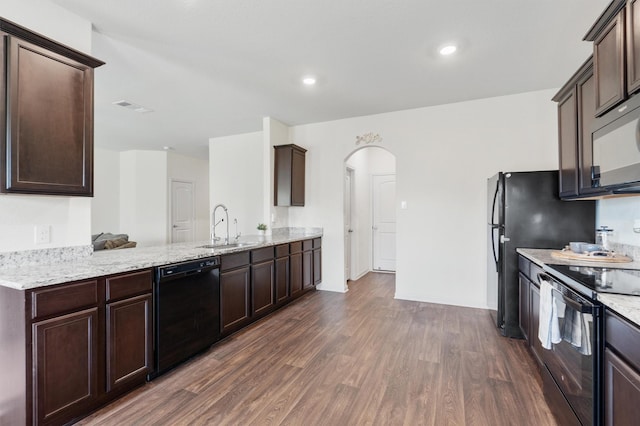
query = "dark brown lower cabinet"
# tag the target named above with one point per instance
(621, 391)
(129, 341)
(235, 291)
(263, 287)
(90, 341)
(621, 371)
(307, 270)
(317, 266)
(282, 279)
(536, 345)
(296, 274)
(525, 307)
(65, 365)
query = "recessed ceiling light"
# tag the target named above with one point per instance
(309, 80)
(448, 49)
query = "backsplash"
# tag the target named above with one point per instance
(619, 214)
(16, 259)
(287, 231)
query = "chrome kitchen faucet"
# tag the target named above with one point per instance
(213, 226)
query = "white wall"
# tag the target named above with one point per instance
(236, 179)
(274, 133)
(115, 199)
(69, 217)
(444, 155)
(105, 205)
(195, 170)
(50, 20)
(144, 197)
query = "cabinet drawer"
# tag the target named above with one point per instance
(317, 243)
(296, 247)
(282, 250)
(127, 285)
(236, 260)
(623, 337)
(534, 271)
(307, 245)
(63, 299)
(261, 255)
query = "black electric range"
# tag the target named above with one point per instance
(592, 279)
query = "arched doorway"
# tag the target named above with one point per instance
(369, 212)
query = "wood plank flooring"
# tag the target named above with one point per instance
(360, 358)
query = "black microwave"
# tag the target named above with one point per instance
(616, 149)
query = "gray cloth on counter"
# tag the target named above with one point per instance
(100, 240)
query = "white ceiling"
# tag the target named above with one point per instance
(211, 68)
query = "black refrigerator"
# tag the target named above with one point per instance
(524, 211)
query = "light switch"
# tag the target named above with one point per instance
(403, 205)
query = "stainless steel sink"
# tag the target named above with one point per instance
(227, 246)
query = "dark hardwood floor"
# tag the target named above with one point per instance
(349, 359)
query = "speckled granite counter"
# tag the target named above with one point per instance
(108, 262)
(627, 306)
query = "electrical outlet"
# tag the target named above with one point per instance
(42, 234)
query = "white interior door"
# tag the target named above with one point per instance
(182, 211)
(384, 222)
(348, 219)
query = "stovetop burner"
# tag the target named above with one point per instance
(604, 280)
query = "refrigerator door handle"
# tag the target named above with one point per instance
(495, 226)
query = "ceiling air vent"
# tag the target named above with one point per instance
(132, 106)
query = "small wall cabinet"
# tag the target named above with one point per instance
(47, 109)
(289, 175)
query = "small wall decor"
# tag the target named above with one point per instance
(368, 138)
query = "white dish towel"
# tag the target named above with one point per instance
(548, 328)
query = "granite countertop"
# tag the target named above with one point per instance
(627, 306)
(108, 262)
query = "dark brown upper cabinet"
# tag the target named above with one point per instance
(609, 70)
(289, 170)
(576, 112)
(633, 46)
(47, 115)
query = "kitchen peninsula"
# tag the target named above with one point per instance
(102, 307)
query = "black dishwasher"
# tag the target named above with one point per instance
(186, 310)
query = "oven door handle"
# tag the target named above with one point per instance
(580, 307)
